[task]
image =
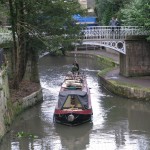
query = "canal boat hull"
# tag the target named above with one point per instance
(73, 118)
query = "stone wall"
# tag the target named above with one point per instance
(9, 110)
(4, 96)
(125, 91)
(136, 62)
(27, 102)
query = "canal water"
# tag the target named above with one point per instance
(117, 124)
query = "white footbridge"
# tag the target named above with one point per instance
(111, 37)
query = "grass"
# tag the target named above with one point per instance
(105, 71)
(118, 83)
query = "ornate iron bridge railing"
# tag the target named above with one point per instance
(108, 32)
(111, 37)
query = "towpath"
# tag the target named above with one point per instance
(143, 82)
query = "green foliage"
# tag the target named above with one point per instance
(26, 135)
(124, 84)
(129, 12)
(3, 13)
(105, 71)
(132, 15)
(53, 19)
(39, 25)
(106, 9)
(6, 44)
(46, 17)
(136, 13)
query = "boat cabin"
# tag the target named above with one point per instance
(73, 99)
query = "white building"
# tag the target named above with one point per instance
(88, 4)
(83, 3)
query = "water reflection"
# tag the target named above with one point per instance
(74, 138)
(118, 123)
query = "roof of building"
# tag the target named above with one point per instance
(84, 20)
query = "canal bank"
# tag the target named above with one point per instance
(9, 107)
(136, 88)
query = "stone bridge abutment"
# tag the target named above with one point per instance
(136, 61)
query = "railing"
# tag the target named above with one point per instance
(108, 32)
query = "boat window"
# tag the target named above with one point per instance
(72, 102)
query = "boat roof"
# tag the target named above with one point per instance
(73, 92)
(74, 82)
(74, 85)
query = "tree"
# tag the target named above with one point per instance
(136, 13)
(37, 25)
(3, 14)
(57, 22)
(132, 15)
(106, 9)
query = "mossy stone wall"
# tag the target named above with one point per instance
(8, 109)
(4, 97)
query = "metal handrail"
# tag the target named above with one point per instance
(108, 32)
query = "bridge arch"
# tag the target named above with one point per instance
(118, 46)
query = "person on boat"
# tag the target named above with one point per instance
(77, 65)
(75, 68)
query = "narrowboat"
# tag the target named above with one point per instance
(74, 101)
